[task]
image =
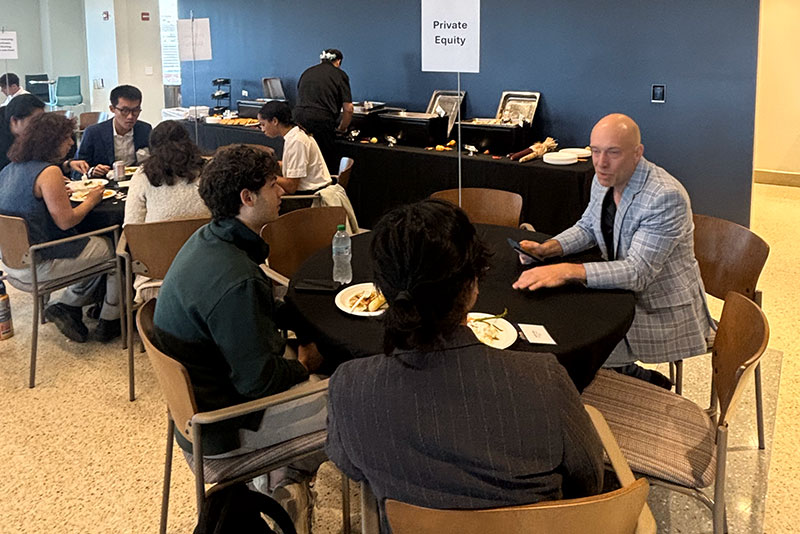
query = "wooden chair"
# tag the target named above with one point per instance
(731, 258)
(148, 249)
(670, 439)
(18, 253)
(486, 206)
(623, 511)
(345, 168)
(295, 236)
(176, 387)
(87, 118)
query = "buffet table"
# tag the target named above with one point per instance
(553, 196)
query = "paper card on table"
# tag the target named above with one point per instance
(536, 333)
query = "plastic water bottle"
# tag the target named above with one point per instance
(342, 254)
(6, 326)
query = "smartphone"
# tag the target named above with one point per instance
(516, 246)
(315, 285)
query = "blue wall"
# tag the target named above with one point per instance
(587, 57)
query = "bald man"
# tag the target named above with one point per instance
(641, 219)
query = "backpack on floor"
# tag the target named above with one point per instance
(237, 509)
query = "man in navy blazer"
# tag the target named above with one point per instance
(641, 219)
(118, 138)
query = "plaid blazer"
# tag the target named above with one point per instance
(653, 238)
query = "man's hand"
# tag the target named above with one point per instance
(541, 251)
(551, 276)
(79, 165)
(309, 357)
(100, 171)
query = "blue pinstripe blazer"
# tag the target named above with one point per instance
(467, 426)
(653, 236)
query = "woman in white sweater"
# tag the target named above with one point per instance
(165, 186)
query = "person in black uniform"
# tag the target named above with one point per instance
(322, 91)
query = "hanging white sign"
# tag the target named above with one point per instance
(8, 45)
(451, 35)
(194, 39)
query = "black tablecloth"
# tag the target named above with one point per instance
(587, 324)
(213, 136)
(553, 196)
(109, 212)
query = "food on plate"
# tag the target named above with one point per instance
(452, 142)
(131, 170)
(82, 185)
(370, 300)
(80, 196)
(485, 331)
(239, 122)
(373, 140)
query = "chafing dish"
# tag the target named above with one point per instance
(447, 102)
(510, 129)
(365, 117)
(414, 129)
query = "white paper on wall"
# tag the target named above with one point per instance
(8, 45)
(451, 35)
(194, 45)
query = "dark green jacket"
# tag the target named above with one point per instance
(217, 316)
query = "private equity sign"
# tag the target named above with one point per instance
(451, 35)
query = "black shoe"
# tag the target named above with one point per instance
(94, 311)
(68, 320)
(648, 375)
(107, 330)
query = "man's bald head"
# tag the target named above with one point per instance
(616, 144)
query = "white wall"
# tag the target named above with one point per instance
(23, 18)
(139, 53)
(101, 49)
(777, 124)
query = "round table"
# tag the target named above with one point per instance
(585, 323)
(109, 212)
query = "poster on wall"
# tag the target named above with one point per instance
(451, 35)
(8, 45)
(194, 39)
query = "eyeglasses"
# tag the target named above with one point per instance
(129, 111)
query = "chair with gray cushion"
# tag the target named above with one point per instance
(18, 253)
(182, 412)
(670, 439)
(42, 86)
(68, 91)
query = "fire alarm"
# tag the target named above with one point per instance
(105, 15)
(145, 15)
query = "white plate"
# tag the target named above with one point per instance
(126, 183)
(505, 332)
(80, 196)
(580, 152)
(343, 297)
(560, 158)
(78, 185)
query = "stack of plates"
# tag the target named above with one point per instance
(560, 158)
(580, 152)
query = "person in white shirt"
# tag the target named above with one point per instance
(303, 166)
(9, 86)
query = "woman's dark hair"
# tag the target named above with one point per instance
(276, 109)
(425, 256)
(42, 139)
(233, 168)
(173, 155)
(22, 106)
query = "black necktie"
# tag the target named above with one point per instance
(607, 222)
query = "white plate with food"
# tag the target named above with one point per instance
(580, 152)
(129, 171)
(85, 185)
(492, 330)
(80, 196)
(560, 158)
(363, 300)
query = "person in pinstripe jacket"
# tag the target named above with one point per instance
(641, 218)
(441, 420)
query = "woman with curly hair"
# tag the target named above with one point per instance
(441, 420)
(32, 187)
(165, 187)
